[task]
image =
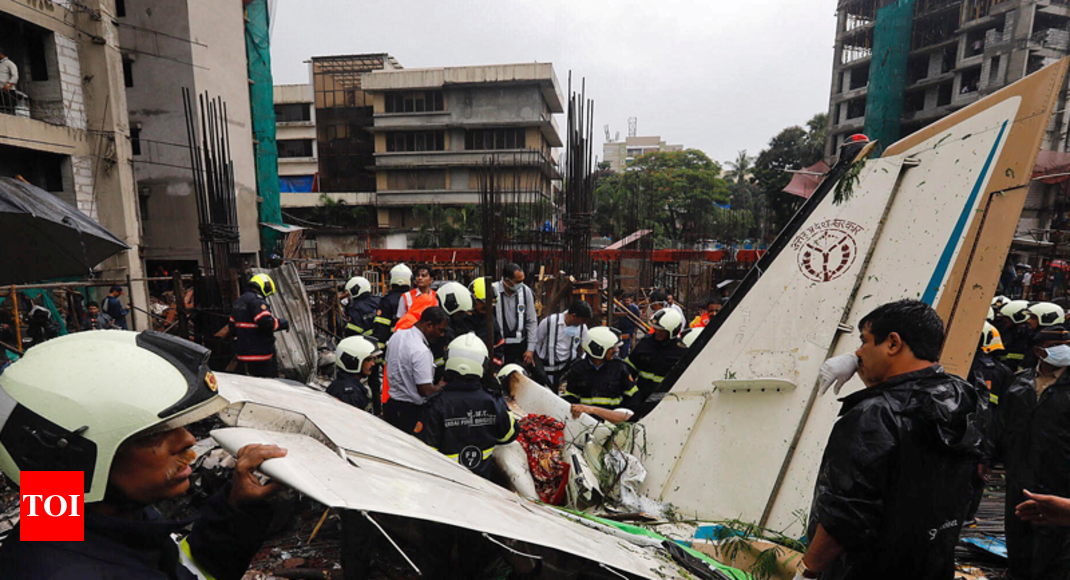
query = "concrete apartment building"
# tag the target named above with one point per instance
(619, 154)
(166, 46)
(295, 135)
(388, 138)
(434, 128)
(960, 51)
(71, 136)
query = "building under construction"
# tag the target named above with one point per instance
(902, 64)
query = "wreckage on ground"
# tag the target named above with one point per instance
(738, 429)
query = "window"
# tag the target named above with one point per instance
(135, 140)
(295, 148)
(415, 102)
(143, 207)
(416, 141)
(120, 8)
(293, 113)
(993, 71)
(486, 139)
(416, 180)
(128, 71)
(943, 94)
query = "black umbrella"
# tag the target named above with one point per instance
(45, 237)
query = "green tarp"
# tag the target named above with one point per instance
(888, 71)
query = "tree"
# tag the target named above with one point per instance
(792, 148)
(675, 193)
(335, 212)
(740, 168)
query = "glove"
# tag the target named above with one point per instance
(836, 371)
(285, 325)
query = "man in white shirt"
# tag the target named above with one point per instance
(410, 369)
(558, 340)
(9, 77)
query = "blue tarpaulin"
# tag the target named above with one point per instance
(297, 183)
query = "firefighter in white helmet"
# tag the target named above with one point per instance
(386, 315)
(360, 307)
(123, 427)
(457, 301)
(359, 376)
(657, 353)
(600, 379)
(1017, 335)
(465, 422)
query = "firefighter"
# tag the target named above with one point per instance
(359, 377)
(1018, 340)
(457, 301)
(657, 353)
(255, 327)
(386, 315)
(476, 322)
(361, 307)
(124, 427)
(601, 379)
(464, 422)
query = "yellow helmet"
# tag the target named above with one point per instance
(480, 289)
(990, 339)
(264, 284)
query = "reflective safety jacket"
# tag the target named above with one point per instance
(386, 318)
(651, 360)
(464, 422)
(1019, 348)
(608, 386)
(255, 328)
(415, 309)
(360, 315)
(221, 545)
(352, 389)
(898, 477)
(993, 378)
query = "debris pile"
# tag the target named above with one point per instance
(541, 437)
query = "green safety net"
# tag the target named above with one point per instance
(729, 571)
(888, 71)
(262, 102)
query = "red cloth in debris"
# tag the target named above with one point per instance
(541, 437)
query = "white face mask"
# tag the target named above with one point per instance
(1058, 356)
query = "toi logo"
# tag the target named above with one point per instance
(51, 506)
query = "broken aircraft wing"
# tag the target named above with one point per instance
(932, 219)
(345, 458)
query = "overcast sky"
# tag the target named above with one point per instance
(716, 75)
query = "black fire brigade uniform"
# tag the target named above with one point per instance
(651, 360)
(355, 390)
(609, 386)
(360, 314)
(464, 422)
(1034, 444)
(384, 321)
(255, 329)
(477, 323)
(1019, 349)
(223, 542)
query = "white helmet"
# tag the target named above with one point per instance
(353, 351)
(991, 315)
(400, 275)
(510, 369)
(1047, 313)
(690, 336)
(667, 319)
(600, 340)
(998, 302)
(454, 298)
(73, 415)
(1016, 310)
(358, 286)
(467, 355)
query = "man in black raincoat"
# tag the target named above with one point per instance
(899, 471)
(1034, 445)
